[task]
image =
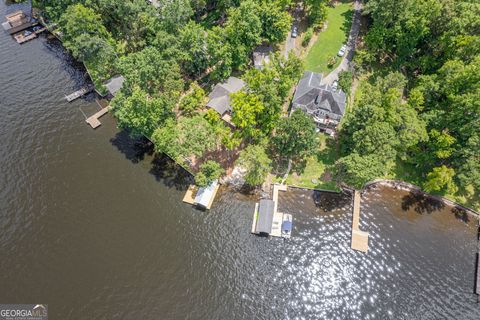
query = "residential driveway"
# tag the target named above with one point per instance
(352, 39)
(289, 44)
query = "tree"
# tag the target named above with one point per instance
(140, 113)
(243, 30)
(194, 48)
(193, 100)
(356, 170)
(345, 80)
(246, 108)
(295, 137)
(316, 11)
(148, 70)
(209, 172)
(440, 178)
(276, 21)
(271, 85)
(175, 14)
(190, 137)
(256, 162)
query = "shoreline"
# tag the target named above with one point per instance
(402, 185)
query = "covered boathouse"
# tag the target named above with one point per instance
(264, 217)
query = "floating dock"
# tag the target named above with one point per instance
(359, 237)
(77, 94)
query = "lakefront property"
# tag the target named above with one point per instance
(326, 143)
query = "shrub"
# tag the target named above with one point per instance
(307, 37)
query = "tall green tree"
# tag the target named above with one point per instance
(140, 113)
(256, 162)
(295, 137)
(209, 172)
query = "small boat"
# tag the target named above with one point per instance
(287, 225)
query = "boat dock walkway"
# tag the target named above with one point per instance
(21, 38)
(93, 120)
(77, 94)
(277, 216)
(359, 237)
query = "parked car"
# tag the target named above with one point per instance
(294, 32)
(342, 51)
(335, 85)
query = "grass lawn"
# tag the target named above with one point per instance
(316, 173)
(339, 20)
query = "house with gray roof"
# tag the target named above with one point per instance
(322, 102)
(219, 98)
(114, 85)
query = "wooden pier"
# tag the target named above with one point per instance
(277, 216)
(21, 38)
(359, 237)
(93, 120)
(77, 94)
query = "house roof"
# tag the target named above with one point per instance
(115, 84)
(314, 96)
(265, 216)
(219, 98)
(204, 195)
(261, 56)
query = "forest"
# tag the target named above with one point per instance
(417, 117)
(416, 89)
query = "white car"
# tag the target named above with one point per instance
(335, 85)
(342, 51)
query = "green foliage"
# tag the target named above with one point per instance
(356, 170)
(256, 162)
(271, 85)
(276, 22)
(209, 172)
(307, 37)
(140, 113)
(295, 137)
(246, 109)
(193, 100)
(148, 70)
(316, 11)
(440, 178)
(175, 14)
(88, 39)
(345, 80)
(186, 138)
(243, 30)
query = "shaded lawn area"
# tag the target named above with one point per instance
(339, 21)
(316, 172)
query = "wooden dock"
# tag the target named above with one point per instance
(20, 38)
(359, 237)
(93, 120)
(190, 194)
(277, 216)
(77, 94)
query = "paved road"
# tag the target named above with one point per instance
(352, 38)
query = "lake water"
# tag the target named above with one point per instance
(94, 226)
